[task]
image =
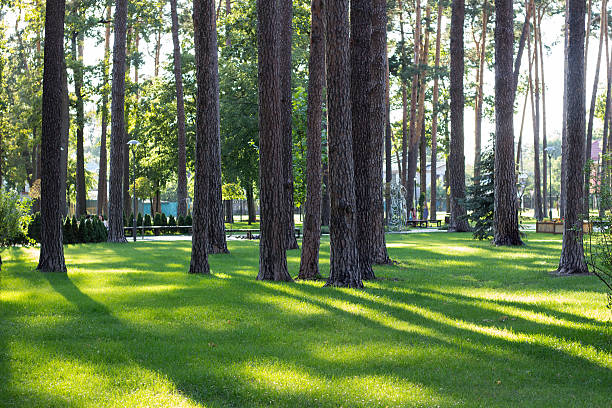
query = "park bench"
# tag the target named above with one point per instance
(424, 223)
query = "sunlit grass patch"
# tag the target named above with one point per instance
(455, 322)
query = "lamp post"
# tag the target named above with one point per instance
(550, 150)
(133, 144)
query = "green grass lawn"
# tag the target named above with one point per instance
(455, 323)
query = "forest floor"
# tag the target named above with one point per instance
(455, 322)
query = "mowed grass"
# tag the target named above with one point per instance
(455, 323)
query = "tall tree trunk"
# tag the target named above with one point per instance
(536, 129)
(102, 173)
(51, 249)
(309, 262)
(81, 192)
(228, 11)
(207, 127)
(479, 97)
(272, 256)
(229, 211)
(158, 45)
(589, 138)
(127, 201)
(564, 146)
(456, 160)
(434, 121)
(378, 122)
(361, 54)
(545, 163)
(587, 36)
(603, 172)
(344, 260)
(422, 138)
(521, 46)
(506, 212)
(118, 133)
(404, 57)
(415, 130)
(519, 146)
(286, 32)
(64, 142)
(180, 114)
(388, 141)
(251, 203)
(572, 253)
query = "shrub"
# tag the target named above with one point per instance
(82, 231)
(13, 219)
(147, 220)
(157, 220)
(164, 222)
(181, 223)
(76, 237)
(188, 220)
(480, 200)
(34, 228)
(67, 231)
(139, 220)
(171, 223)
(89, 230)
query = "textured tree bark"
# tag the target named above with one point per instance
(572, 254)
(180, 114)
(536, 128)
(325, 200)
(81, 193)
(64, 142)
(506, 212)
(360, 51)
(207, 127)
(589, 137)
(378, 122)
(456, 160)
(115, 213)
(102, 173)
(272, 257)
(217, 243)
(285, 14)
(344, 260)
(51, 249)
(127, 200)
(434, 122)
(479, 96)
(309, 262)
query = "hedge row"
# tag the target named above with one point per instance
(74, 231)
(160, 220)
